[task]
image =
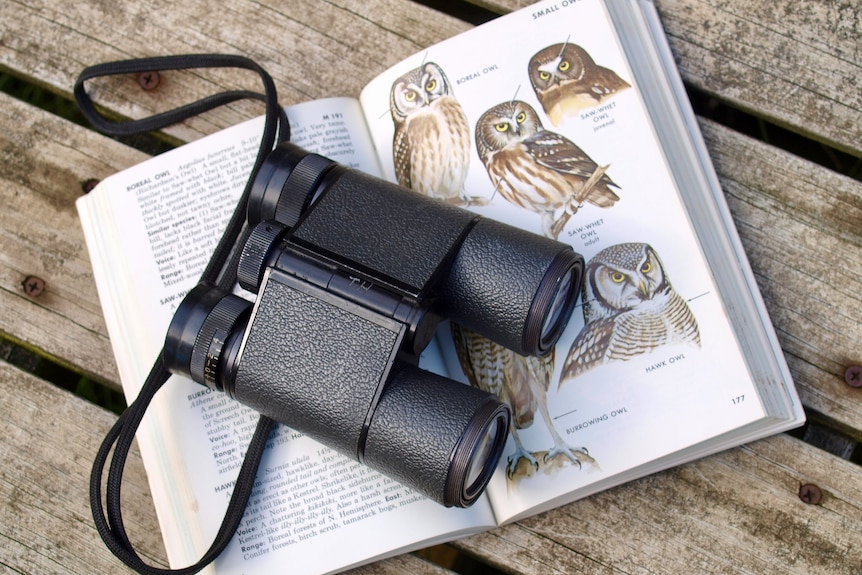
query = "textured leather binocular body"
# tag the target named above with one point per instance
(353, 275)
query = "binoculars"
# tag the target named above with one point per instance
(353, 275)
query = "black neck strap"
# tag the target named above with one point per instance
(220, 271)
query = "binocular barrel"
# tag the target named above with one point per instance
(510, 285)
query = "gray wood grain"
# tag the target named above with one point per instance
(49, 440)
(311, 49)
(45, 161)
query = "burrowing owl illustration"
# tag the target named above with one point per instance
(566, 80)
(431, 146)
(522, 382)
(538, 169)
(630, 308)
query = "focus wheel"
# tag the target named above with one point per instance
(217, 326)
(264, 238)
(301, 187)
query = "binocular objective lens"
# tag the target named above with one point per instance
(479, 459)
(484, 457)
(559, 309)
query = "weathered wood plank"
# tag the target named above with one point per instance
(736, 512)
(798, 64)
(45, 161)
(48, 439)
(312, 49)
(400, 565)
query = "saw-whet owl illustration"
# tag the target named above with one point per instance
(522, 382)
(630, 308)
(567, 80)
(538, 169)
(431, 144)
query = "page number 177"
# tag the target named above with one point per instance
(738, 399)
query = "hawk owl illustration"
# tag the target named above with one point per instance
(431, 145)
(630, 308)
(567, 80)
(522, 382)
(538, 169)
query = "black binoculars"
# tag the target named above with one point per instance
(353, 274)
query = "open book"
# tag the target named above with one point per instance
(564, 118)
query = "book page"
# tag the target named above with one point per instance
(535, 119)
(150, 230)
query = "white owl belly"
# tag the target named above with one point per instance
(663, 321)
(439, 153)
(438, 170)
(522, 184)
(571, 106)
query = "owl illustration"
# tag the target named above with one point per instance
(567, 80)
(538, 169)
(522, 382)
(431, 145)
(630, 308)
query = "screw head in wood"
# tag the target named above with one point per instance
(33, 286)
(810, 494)
(88, 185)
(149, 80)
(853, 376)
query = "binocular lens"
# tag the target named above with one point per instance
(559, 310)
(478, 468)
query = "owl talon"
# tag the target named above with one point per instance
(512, 468)
(570, 454)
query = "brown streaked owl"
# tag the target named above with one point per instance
(522, 382)
(630, 308)
(535, 168)
(431, 145)
(567, 80)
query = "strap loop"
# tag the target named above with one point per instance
(221, 270)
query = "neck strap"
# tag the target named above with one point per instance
(220, 271)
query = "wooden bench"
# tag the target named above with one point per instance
(797, 65)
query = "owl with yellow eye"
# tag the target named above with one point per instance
(537, 169)
(567, 80)
(630, 308)
(431, 144)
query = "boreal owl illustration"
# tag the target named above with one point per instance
(567, 80)
(431, 145)
(630, 308)
(522, 382)
(538, 169)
